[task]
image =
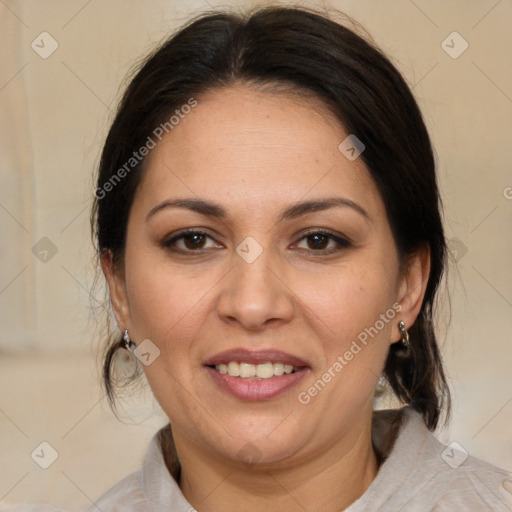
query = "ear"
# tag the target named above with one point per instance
(117, 288)
(412, 287)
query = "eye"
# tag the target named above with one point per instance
(317, 241)
(190, 240)
(324, 242)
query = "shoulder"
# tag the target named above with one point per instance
(136, 492)
(146, 490)
(440, 477)
(474, 485)
(127, 493)
(460, 480)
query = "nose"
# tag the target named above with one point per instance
(256, 295)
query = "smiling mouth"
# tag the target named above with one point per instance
(248, 371)
(256, 375)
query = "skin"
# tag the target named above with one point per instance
(255, 153)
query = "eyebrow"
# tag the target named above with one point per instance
(294, 211)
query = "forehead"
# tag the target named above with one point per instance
(263, 146)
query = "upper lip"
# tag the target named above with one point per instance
(242, 355)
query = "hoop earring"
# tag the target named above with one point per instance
(128, 343)
(404, 334)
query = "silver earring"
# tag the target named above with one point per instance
(128, 343)
(404, 333)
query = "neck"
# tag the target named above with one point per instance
(330, 481)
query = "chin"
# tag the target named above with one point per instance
(258, 448)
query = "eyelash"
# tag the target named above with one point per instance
(342, 243)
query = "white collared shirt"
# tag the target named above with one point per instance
(418, 474)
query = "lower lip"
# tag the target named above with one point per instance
(255, 390)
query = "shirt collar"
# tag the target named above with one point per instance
(163, 494)
(161, 491)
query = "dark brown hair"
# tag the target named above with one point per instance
(307, 51)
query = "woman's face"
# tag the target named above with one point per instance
(294, 265)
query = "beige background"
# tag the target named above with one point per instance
(55, 113)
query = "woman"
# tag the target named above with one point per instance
(268, 221)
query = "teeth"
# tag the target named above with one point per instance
(265, 371)
(233, 369)
(254, 371)
(247, 370)
(278, 368)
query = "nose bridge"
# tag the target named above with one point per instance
(254, 293)
(255, 276)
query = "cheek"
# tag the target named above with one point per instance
(170, 306)
(355, 317)
(349, 298)
(167, 308)
(353, 314)
(163, 301)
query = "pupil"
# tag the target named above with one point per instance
(322, 238)
(194, 240)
